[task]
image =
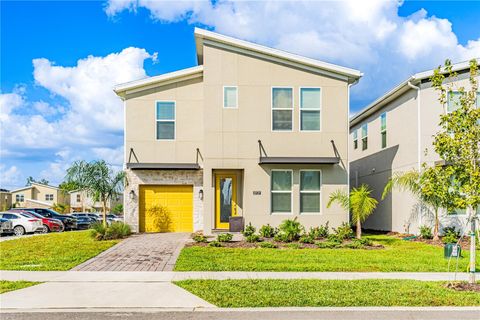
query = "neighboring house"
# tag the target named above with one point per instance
(252, 132)
(39, 195)
(5, 199)
(80, 201)
(395, 134)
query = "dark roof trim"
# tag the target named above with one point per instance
(299, 160)
(163, 166)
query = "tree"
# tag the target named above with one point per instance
(98, 180)
(118, 209)
(31, 180)
(359, 203)
(61, 208)
(458, 143)
(431, 186)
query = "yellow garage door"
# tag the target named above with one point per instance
(166, 208)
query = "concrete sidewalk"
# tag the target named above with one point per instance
(143, 276)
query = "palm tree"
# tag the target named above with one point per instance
(360, 203)
(61, 207)
(98, 180)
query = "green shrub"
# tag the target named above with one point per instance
(359, 243)
(215, 243)
(267, 244)
(364, 241)
(334, 239)
(306, 238)
(252, 238)
(328, 245)
(291, 228)
(293, 245)
(344, 231)
(451, 230)
(225, 237)
(450, 238)
(116, 230)
(426, 232)
(320, 232)
(281, 237)
(267, 231)
(249, 230)
(199, 237)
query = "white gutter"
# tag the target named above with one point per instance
(419, 126)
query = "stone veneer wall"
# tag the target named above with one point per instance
(135, 178)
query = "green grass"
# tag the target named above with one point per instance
(398, 255)
(323, 293)
(6, 286)
(55, 251)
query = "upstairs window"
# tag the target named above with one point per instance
(365, 136)
(453, 101)
(282, 109)
(19, 197)
(355, 139)
(310, 109)
(49, 197)
(78, 198)
(383, 129)
(230, 97)
(165, 117)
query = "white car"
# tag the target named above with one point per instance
(23, 223)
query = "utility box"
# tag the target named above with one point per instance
(237, 224)
(452, 250)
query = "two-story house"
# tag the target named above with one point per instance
(81, 201)
(252, 132)
(39, 195)
(395, 134)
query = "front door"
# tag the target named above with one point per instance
(225, 199)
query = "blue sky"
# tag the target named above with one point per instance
(60, 59)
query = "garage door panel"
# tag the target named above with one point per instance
(177, 199)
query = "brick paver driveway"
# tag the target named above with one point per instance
(140, 252)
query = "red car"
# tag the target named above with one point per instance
(50, 224)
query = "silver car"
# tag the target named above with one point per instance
(6, 226)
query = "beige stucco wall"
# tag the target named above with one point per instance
(5, 200)
(27, 194)
(39, 193)
(86, 202)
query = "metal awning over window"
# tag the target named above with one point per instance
(265, 159)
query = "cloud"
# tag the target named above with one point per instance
(9, 177)
(366, 35)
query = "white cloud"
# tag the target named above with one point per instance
(367, 35)
(9, 177)
(113, 156)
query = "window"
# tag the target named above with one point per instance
(19, 198)
(478, 99)
(355, 139)
(364, 136)
(383, 129)
(310, 183)
(281, 191)
(230, 97)
(453, 101)
(310, 107)
(282, 109)
(78, 198)
(49, 197)
(165, 120)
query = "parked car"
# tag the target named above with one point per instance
(93, 216)
(114, 217)
(6, 226)
(23, 223)
(69, 222)
(83, 222)
(50, 224)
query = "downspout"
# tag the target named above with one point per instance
(419, 139)
(348, 139)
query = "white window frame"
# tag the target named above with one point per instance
(19, 197)
(272, 109)
(49, 197)
(174, 120)
(382, 131)
(236, 97)
(300, 109)
(366, 136)
(355, 139)
(276, 191)
(309, 191)
(78, 198)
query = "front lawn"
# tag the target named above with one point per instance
(6, 286)
(55, 251)
(327, 293)
(398, 255)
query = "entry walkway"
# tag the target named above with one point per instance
(140, 252)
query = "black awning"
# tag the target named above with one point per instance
(163, 166)
(299, 160)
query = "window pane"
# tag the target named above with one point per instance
(310, 180)
(384, 139)
(281, 180)
(478, 99)
(364, 143)
(364, 130)
(355, 144)
(309, 202)
(230, 97)
(282, 120)
(355, 135)
(383, 121)
(281, 202)
(453, 101)
(310, 120)
(165, 111)
(310, 98)
(282, 98)
(165, 130)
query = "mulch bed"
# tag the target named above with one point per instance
(280, 245)
(464, 243)
(463, 286)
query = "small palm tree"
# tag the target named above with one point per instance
(359, 203)
(98, 180)
(61, 207)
